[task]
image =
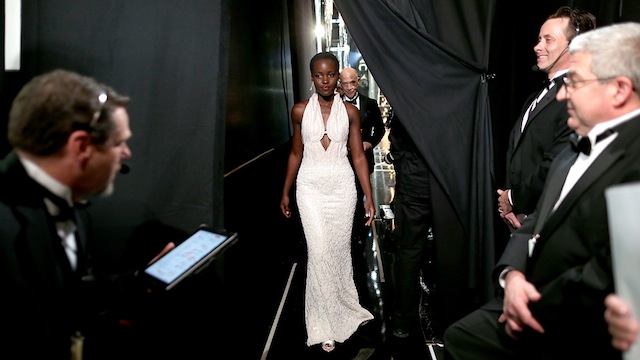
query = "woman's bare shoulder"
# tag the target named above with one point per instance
(301, 104)
(298, 109)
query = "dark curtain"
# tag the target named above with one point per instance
(172, 64)
(430, 59)
(171, 58)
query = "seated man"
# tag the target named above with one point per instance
(556, 269)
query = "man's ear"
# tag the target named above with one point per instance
(624, 90)
(79, 145)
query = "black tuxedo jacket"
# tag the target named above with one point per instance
(371, 125)
(45, 301)
(531, 152)
(571, 261)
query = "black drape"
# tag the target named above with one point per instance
(430, 59)
(171, 64)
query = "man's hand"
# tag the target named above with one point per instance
(504, 205)
(512, 220)
(518, 293)
(622, 325)
(506, 211)
(170, 246)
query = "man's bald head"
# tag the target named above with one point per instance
(349, 82)
(350, 72)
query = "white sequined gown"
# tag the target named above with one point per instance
(326, 199)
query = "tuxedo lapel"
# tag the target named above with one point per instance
(626, 136)
(42, 241)
(548, 98)
(517, 129)
(555, 181)
(595, 171)
(363, 108)
(81, 242)
(40, 237)
(517, 135)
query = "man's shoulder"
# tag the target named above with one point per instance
(366, 98)
(7, 172)
(369, 103)
(15, 185)
(628, 133)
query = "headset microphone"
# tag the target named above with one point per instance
(535, 67)
(124, 169)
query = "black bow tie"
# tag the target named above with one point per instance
(65, 211)
(353, 101)
(583, 145)
(548, 82)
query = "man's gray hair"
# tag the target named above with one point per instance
(614, 49)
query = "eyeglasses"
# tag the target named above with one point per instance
(102, 99)
(572, 84)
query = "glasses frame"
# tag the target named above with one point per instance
(571, 85)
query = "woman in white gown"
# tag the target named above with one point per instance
(323, 129)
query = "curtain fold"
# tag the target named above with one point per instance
(430, 59)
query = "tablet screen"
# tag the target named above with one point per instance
(186, 255)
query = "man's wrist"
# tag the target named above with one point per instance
(502, 278)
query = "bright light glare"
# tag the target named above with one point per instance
(319, 31)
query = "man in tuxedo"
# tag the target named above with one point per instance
(411, 238)
(371, 124)
(541, 130)
(556, 269)
(372, 129)
(69, 136)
